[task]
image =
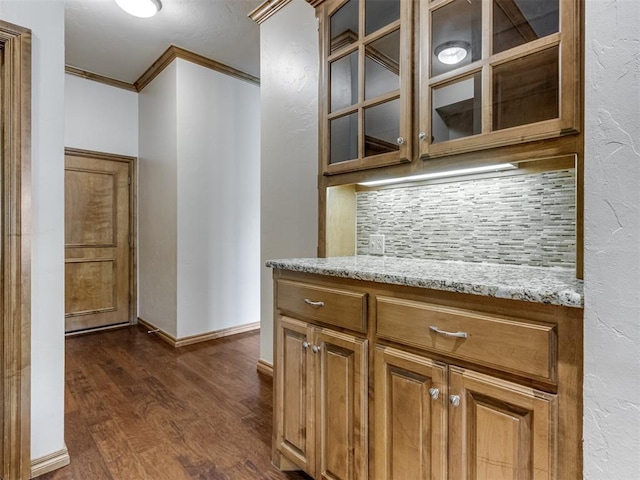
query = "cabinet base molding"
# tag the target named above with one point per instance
(265, 368)
(202, 337)
(49, 463)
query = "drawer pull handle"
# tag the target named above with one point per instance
(455, 400)
(313, 304)
(448, 334)
(434, 393)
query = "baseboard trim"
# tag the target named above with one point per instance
(50, 462)
(202, 337)
(265, 368)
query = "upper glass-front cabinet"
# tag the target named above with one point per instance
(367, 80)
(496, 72)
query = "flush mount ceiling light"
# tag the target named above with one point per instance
(140, 8)
(452, 52)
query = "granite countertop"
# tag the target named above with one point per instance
(554, 286)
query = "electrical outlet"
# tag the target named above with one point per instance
(376, 244)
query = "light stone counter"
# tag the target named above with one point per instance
(554, 286)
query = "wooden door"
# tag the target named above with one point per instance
(499, 430)
(341, 409)
(97, 242)
(411, 421)
(294, 444)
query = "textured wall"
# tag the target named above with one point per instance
(612, 241)
(100, 117)
(289, 139)
(524, 219)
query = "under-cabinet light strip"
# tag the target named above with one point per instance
(449, 173)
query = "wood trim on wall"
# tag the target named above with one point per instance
(265, 368)
(266, 9)
(174, 52)
(50, 462)
(96, 77)
(133, 218)
(15, 301)
(199, 338)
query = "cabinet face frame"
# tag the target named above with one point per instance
(404, 93)
(567, 40)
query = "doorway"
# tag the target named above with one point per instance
(99, 240)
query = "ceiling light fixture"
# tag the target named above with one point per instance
(452, 52)
(449, 173)
(140, 8)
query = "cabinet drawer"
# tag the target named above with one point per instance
(341, 308)
(521, 347)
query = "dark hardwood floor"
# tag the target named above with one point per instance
(136, 408)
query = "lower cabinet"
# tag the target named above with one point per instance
(436, 421)
(388, 383)
(320, 401)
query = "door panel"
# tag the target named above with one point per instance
(342, 405)
(97, 236)
(294, 394)
(500, 430)
(411, 426)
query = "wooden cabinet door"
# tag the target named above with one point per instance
(341, 409)
(294, 443)
(410, 422)
(499, 430)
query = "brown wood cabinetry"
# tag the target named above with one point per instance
(435, 385)
(320, 417)
(402, 79)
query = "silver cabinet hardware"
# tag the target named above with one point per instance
(434, 393)
(305, 344)
(448, 334)
(455, 400)
(313, 304)
(400, 140)
(315, 348)
(422, 135)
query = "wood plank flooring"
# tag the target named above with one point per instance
(138, 409)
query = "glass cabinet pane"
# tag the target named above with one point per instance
(344, 26)
(526, 90)
(516, 22)
(344, 138)
(380, 13)
(456, 35)
(382, 128)
(344, 82)
(382, 66)
(456, 109)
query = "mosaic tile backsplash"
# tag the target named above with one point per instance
(523, 219)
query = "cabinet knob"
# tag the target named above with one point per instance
(400, 140)
(455, 400)
(305, 344)
(434, 393)
(422, 135)
(315, 348)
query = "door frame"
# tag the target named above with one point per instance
(15, 300)
(133, 222)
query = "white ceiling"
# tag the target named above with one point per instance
(101, 38)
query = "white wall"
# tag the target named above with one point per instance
(612, 241)
(100, 117)
(218, 200)
(46, 20)
(289, 137)
(157, 202)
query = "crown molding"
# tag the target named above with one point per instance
(265, 10)
(96, 77)
(173, 52)
(315, 3)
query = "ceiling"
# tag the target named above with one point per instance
(101, 38)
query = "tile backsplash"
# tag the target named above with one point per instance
(522, 219)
